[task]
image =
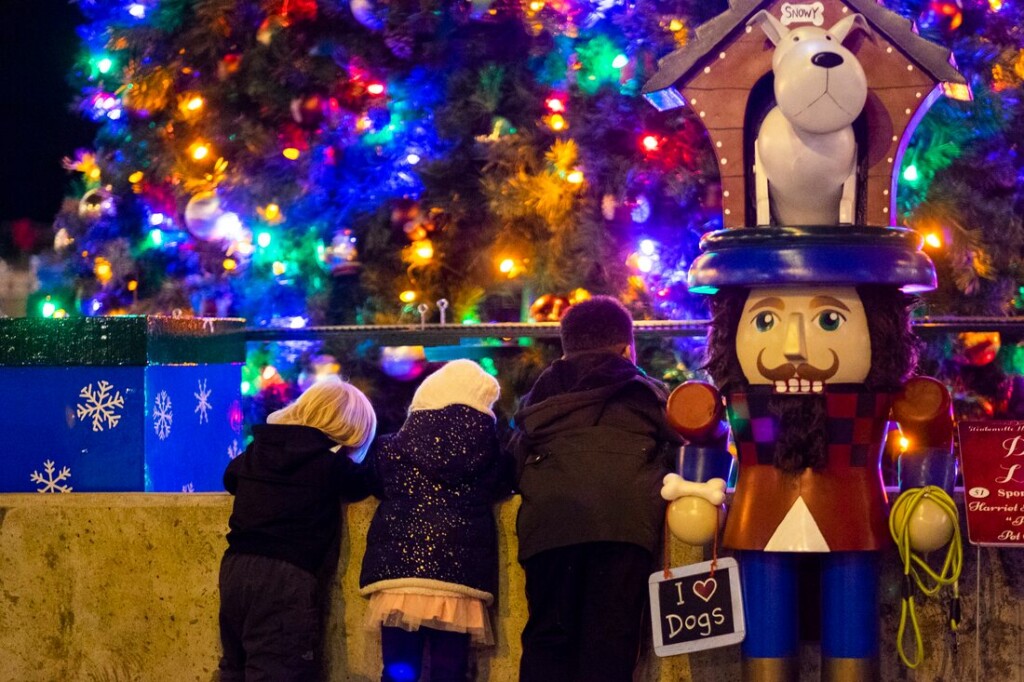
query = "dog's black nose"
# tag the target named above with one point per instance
(826, 59)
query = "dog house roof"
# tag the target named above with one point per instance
(934, 59)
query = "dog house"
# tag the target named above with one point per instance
(725, 75)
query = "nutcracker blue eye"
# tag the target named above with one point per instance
(830, 320)
(764, 321)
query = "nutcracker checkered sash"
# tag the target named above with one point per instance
(855, 427)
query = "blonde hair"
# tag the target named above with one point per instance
(337, 408)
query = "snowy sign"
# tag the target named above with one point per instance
(992, 459)
(695, 608)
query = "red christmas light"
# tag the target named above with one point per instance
(555, 104)
(650, 143)
(375, 88)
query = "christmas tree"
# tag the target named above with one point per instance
(301, 162)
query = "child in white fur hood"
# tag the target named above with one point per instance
(431, 562)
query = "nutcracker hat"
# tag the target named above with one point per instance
(844, 255)
(459, 382)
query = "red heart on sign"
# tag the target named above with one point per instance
(705, 589)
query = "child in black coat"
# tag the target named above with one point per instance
(431, 562)
(288, 485)
(592, 445)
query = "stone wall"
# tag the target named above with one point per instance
(117, 587)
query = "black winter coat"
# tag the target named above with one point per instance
(438, 478)
(592, 446)
(288, 486)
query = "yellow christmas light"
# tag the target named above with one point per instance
(94, 173)
(575, 177)
(102, 269)
(271, 212)
(229, 264)
(933, 240)
(199, 150)
(557, 122)
(279, 268)
(194, 103)
(290, 153)
(133, 285)
(423, 249)
(506, 266)
(676, 25)
(407, 296)
(136, 177)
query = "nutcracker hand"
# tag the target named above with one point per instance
(674, 486)
(694, 520)
(923, 522)
(930, 527)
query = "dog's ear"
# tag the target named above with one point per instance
(771, 26)
(842, 28)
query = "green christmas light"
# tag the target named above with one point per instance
(910, 173)
(48, 308)
(104, 64)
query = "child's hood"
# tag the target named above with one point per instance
(282, 448)
(573, 392)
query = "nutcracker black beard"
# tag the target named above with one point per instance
(802, 418)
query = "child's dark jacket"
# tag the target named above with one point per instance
(288, 486)
(591, 446)
(438, 478)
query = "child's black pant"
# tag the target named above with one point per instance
(587, 604)
(269, 621)
(403, 654)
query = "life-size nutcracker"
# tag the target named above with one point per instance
(810, 348)
(810, 375)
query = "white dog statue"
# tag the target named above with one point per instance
(805, 156)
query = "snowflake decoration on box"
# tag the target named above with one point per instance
(233, 449)
(162, 415)
(203, 406)
(188, 488)
(51, 483)
(100, 404)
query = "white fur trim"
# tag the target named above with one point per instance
(426, 586)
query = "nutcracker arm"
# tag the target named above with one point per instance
(925, 415)
(924, 411)
(696, 412)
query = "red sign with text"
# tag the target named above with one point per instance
(992, 459)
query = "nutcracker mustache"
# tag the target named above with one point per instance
(803, 370)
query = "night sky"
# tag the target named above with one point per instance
(38, 46)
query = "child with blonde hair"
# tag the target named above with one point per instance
(431, 563)
(288, 485)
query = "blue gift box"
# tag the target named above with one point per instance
(118, 404)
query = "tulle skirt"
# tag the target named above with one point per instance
(411, 610)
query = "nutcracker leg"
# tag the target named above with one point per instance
(849, 616)
(769, 605)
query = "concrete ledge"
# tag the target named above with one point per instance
(120, 587)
